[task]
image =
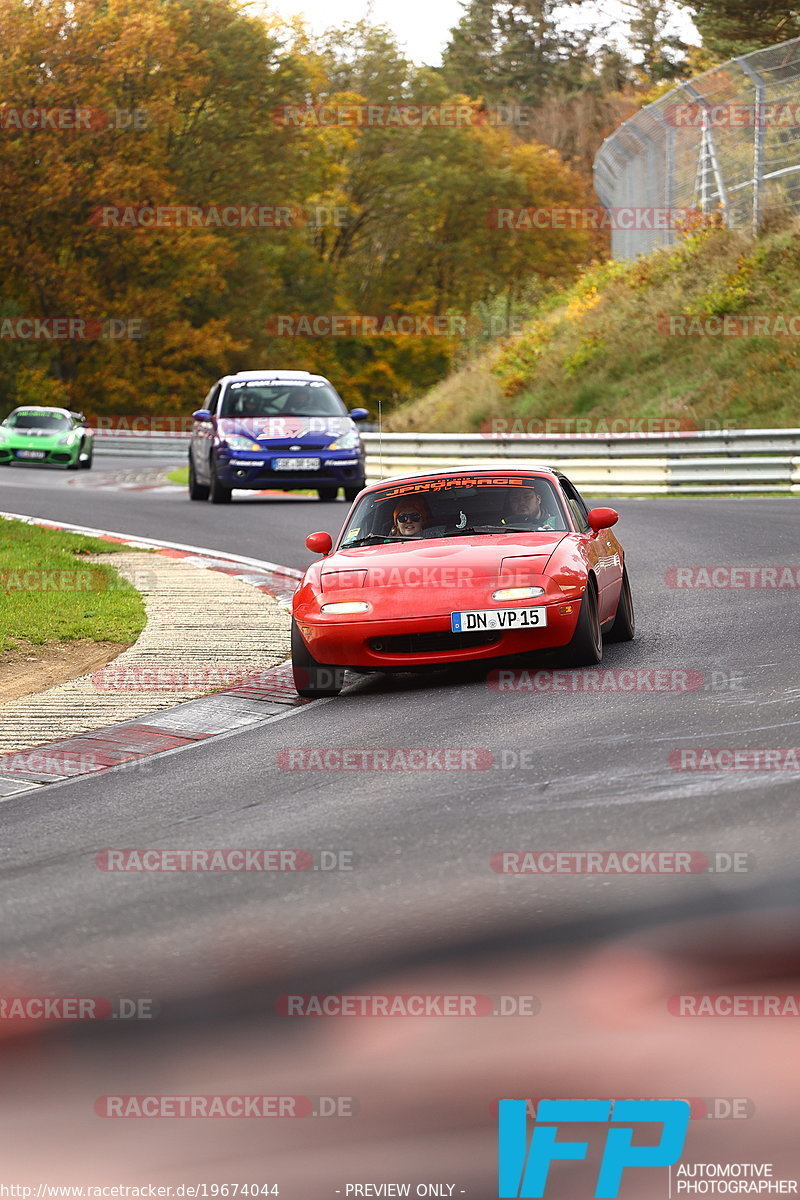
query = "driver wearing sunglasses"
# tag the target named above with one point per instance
(410, 517)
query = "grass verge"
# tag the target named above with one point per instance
(49, 592)
(602, 350)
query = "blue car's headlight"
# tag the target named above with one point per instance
(236, 441)
(347, 441)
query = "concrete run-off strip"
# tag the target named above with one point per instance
(211, 620)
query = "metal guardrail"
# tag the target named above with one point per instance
(732, 461)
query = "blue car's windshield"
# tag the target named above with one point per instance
(287, 398)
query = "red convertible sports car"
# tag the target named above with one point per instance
(456, 566)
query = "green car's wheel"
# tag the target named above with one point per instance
(85, 463)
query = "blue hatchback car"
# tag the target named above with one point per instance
(286, 430)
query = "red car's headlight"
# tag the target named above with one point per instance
(517, 593)
(346, 606)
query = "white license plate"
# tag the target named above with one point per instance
(474, 621)
(30, 453)
(295, 464)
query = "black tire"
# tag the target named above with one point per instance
(624, 627)
(311, 678)
(218, 493)
(586, 647)
(327, 493)
(351, 493)
(87, 464)
(197, 491)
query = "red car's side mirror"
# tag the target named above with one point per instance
(602, 518)
(319, 543)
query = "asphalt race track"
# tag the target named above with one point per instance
(570, 770)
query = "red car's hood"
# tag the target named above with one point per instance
(482, 555)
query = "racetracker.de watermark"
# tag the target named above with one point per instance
(763, 325)
(588, 219)
(196, 216)
(384, 758)
(167, 679)
(147, 861)
(77, 1008)
(222, 216)
(205, 1107)
(701, 1108)
(735, 758)
(616, 679)
(49, 762)
(67, 580)
(403, 116)
(734, 1004)
(29, 119)
(377, 116)
(407, 1004)
(134, 425)
(587, 427)
(343, 325)
(786, 575)
(780, 114)
(75, 579)
(72, 329)
(621, 862)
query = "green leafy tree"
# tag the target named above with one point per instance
(517, 49)
(658, 54)
(733, 27)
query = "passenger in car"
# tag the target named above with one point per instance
(524, 508)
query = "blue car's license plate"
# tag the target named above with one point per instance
(295, 464)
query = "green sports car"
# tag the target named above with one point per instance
(54, 436)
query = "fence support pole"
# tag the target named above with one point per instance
(758, 140)
(709, 150)
(669, 171)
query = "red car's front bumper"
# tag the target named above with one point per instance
(350, 641)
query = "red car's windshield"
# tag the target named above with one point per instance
(453, 506)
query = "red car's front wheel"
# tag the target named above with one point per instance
(311, 678)
(586, 647)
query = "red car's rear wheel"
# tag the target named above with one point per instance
(624, 627)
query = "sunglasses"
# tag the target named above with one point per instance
(409, 516)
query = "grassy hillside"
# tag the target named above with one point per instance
(599, 350)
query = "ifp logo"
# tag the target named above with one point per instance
(523, 1170)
